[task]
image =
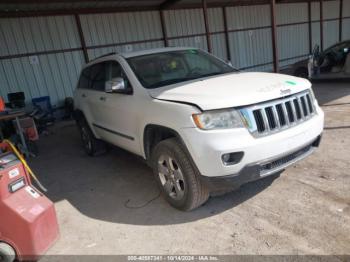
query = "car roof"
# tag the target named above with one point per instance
(127, 55)
(154, 51)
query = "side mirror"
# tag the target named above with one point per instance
(115, 85)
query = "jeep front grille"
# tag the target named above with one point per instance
(273, 116)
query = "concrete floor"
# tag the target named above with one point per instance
(99, 200)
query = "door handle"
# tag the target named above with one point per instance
(83, 95)
(102, 98)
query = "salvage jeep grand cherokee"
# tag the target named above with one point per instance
(201, 125)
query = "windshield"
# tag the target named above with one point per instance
(160, 69)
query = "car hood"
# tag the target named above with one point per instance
(231, 90)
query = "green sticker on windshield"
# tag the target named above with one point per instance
(192, 51)
(291, 83)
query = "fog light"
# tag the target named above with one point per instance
(232, 158)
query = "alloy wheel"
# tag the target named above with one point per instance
(171, 177)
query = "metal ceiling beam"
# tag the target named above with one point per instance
(4, 14)
(36, 2)
(168, 3)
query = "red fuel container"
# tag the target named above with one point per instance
(28, 220)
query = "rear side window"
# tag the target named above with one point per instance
(84, 80)
(98, 77)
(93, 77)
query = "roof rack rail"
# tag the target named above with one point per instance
(108, 54)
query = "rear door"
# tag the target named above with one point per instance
(96, 92)
(82, 93)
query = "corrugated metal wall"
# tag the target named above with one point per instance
(216, 24)
(346, 19)
(56, 71)
(186, 23)
(330, 27)
(112, 30)
(250, 37)
(53, 74)
(292, 38)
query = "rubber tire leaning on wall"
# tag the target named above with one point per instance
(7, 253)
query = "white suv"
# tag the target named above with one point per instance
(201, 125)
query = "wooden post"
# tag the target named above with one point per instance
(274, 33)
(206, 24)
(227, 40)
(81, 37)
(164, 30)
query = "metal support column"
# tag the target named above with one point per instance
(310, 25)
(81, 37)
(164, 30)
(274, 35)
(340, 20)
(227, 40)
(206, 24)
(321, 23)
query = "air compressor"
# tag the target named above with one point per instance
(28, 222)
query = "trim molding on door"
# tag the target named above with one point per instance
(114, 132)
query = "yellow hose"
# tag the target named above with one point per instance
(24, 162)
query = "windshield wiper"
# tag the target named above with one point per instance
(212, 74)
(178, 80)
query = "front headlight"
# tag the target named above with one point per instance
(218, 119)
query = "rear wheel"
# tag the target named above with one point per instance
(177, 177)
(302, 72)
(92, 145)
(7, 253)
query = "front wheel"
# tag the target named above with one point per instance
(7, 253)
(177, 177)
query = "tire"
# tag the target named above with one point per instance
(302, 72)
(7, 253)
(177, 177)
(92, 145)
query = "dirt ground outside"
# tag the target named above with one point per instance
(103, 202)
